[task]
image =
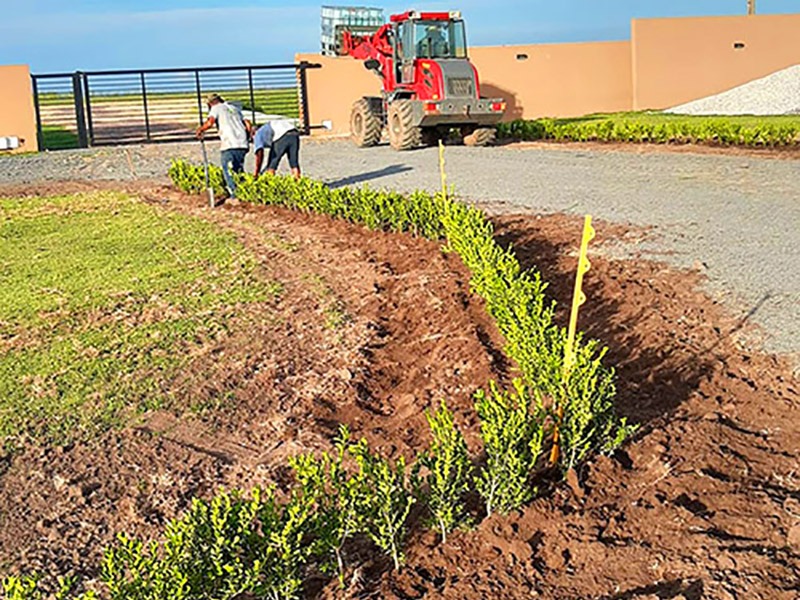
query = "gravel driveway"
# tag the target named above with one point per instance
(736, 218)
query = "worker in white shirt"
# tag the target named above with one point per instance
(282, 138)
(234, 135)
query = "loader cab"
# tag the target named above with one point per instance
(439, 39)
(426, 36)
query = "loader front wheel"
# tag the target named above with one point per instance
(403, 134)
(365, 123)
(482, 136)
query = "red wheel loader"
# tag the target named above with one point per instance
(429, 85)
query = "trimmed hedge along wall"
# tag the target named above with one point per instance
(234, 544)
(713, 130)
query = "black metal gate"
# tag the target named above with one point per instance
(82, 109)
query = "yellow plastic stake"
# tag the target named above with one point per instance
(441, 169)
(578, 298)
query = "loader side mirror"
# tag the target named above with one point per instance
(373, 64)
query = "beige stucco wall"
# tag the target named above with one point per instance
(333, 89)
(17, 118)
(678, 60)
(557, 80)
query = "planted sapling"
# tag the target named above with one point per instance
(449, 470)
(337, 496)
(385, 500)
(512, 441)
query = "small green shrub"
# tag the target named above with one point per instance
(589, 422)
(337, 499)
(21, 588)
(219, 550)
(512, 429)
(375, 500)
(385, 501)
(27, 588)
(449, 471)
(191, 178)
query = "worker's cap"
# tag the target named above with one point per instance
(212, 98)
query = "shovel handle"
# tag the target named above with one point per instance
(209, 189)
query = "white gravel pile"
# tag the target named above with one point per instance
(775, 94)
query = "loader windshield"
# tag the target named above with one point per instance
(440, 39)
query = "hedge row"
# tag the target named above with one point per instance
(713, 130)
(193, 181)
(515, 297)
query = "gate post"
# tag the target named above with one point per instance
(252, 96)
(146, 113)
(304, 97)
(80, 114)
(199, 96)
(39, 134)
(87, 96)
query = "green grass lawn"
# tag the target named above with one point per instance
(179, 106)
(102, 298)
(659, 127)
(265, 100)
(55, 137)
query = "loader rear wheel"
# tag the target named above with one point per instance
(482, 136)
(403, 134)
(365, 124)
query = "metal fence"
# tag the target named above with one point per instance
(81, 109)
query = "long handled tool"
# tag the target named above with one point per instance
(209, 189)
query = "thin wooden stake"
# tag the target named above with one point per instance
(441, 169)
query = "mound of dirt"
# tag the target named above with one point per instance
(703, 503)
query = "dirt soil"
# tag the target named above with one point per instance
(371, 330)
(703, 503)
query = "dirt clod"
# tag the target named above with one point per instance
(793, 537)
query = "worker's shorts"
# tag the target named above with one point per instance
(288, 143)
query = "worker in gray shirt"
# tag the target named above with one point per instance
(234, 135)
(282, 138)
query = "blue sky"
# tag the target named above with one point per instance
(65, 35)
